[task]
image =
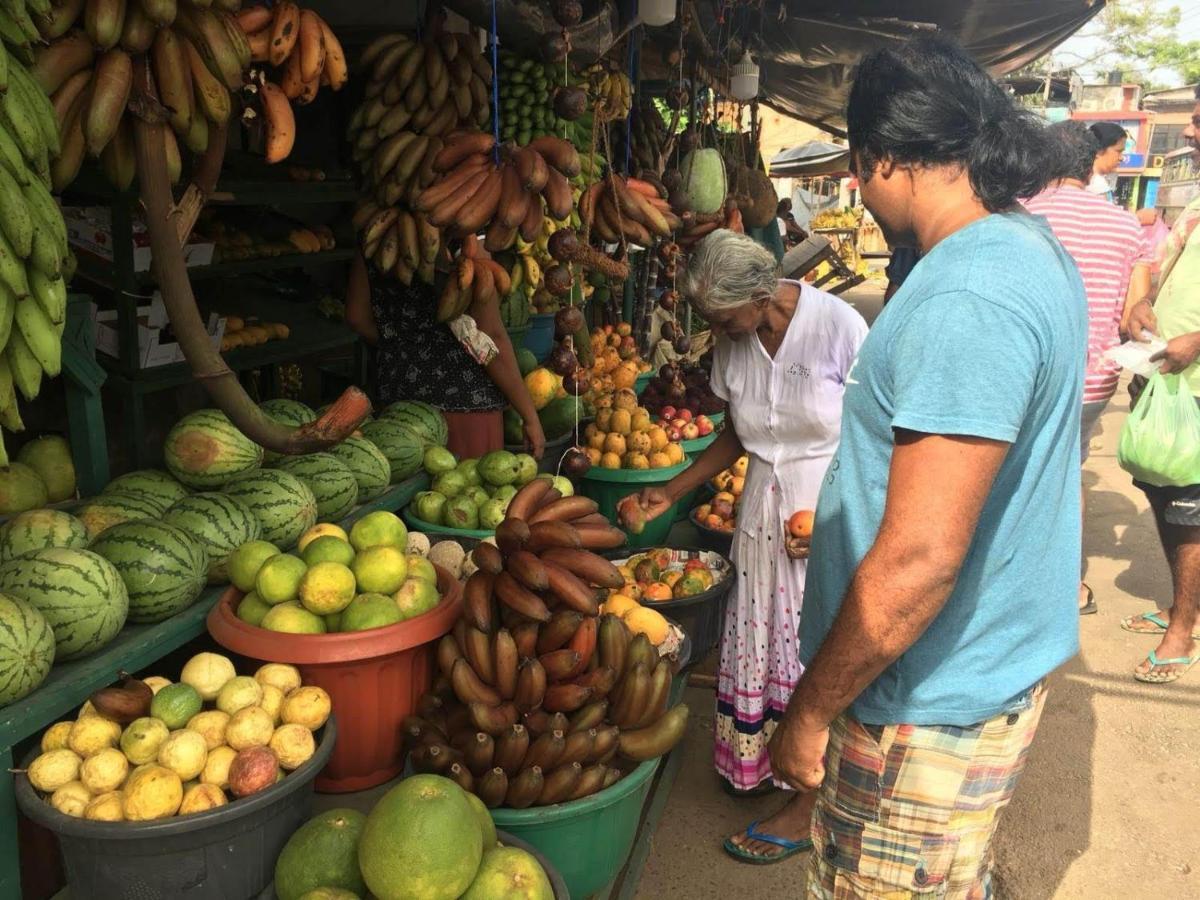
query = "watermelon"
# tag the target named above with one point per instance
(220, 523)
(106, 510)
(38, 529)
(403, 447)
(150, 484)
(286, 412)
(79, 592)
(427, 421)
(283, 504)
(331, 482)
(164, 567)
(26, 648)
(205, 449)
(367, 463)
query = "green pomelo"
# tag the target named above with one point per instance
(380, 570)
(368, 611)
(322, 853)
(415, 597)
(246, 560)
(252, 609)
(380, 528)
(292, 618)
(421, 842)
(326, 588)
(278, 579)
(420, 567)
(487, 827)
(510, 873)
(328, 548)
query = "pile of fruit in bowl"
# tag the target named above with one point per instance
(616, 363)
(720, 513)
(471, 493)
(678, 387)
(681, 425)
(624, 437)
(147, 749)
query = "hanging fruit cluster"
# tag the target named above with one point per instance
(627, 209)
(476, 278)
(418, 92)
(539, 695)
(305, 54)
(647, 148)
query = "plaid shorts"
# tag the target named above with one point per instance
(908, 811)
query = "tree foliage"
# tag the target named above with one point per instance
(1137, 38)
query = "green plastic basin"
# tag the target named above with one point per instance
(418, 524)
(608, 487)
(588, 840)
(639, 384)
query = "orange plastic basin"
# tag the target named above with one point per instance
(373, 677)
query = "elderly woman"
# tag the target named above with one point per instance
(1110, 139)
(783, 354)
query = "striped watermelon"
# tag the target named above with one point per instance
(26, 649)
(164, 568)
(283, 504)
(39, 529)
(106, 510)
(369, 466)
(286, 412)
(403, 447)
(220, 523)
(205, 449)
(427, 421)
(331, 482)
(79, 592)
(150, 484)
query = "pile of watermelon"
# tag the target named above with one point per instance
(144, 548)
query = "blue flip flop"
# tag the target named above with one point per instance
(1153, 618)
(790, 848)
(1153, 677)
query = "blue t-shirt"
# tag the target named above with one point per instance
(988, 338)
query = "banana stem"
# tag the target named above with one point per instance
(218, 379)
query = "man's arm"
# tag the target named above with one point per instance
(899, 587)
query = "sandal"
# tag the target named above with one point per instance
(1153, 618)
(790, 848)
(1154, 677)
(760, 790)
(1089, 608)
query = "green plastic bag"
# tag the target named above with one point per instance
(1160, 442)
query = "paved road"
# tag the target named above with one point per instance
(1106, 808)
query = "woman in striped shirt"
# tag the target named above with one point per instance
(1113, 256)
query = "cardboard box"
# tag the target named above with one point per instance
(89, 228)
(152, 320)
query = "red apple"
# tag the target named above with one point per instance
(673, 434)
(689, 431)
(678, 423)
(685, 414)
(704, 423)
(667, 412)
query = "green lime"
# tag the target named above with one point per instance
(380, 528)
(246, 560)
(279, 578)
(328, 549)
(252, 609)
(380, 569)
(175, 704)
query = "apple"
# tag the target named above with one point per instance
(704, 423)
(678, 423)
(721, 507)
(685, 414)
(674, 435)
(690, 431)
(667, 413)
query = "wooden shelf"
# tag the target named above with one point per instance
(273, 189)
(102, 274)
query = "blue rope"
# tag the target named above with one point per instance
(495, 87)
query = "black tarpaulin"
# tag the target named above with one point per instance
(810, 159)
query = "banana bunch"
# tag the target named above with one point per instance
(611, 92)
(472, 192)
(649, 136)
(34, 256)
(515, 307)
(526, 89)
(397, 241)
(617, 207)
(538, 693)
(197, 56)
(475, 278)
(417, 93)
(305, 54)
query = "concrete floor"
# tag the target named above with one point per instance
(1106, 805)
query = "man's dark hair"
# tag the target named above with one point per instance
(927, 103)
(1107, 134)
(1073, 150)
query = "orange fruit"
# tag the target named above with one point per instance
(624, 329)
(800, 525)
(648, 622)
(736, 485)
(619, 604)
(657, 591)
(593, 455)
(610, 461)
(596, 441)
(701, 511)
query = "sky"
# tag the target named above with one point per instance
(1082, 45)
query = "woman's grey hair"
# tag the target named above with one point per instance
(1073, 150)
(728, 270)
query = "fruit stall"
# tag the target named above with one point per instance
(243, 609)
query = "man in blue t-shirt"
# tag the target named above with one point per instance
(945, 556)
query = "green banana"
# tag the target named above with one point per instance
(51, 294)
(12, 269)
(10, 416)
(26, 371)
(8, 305)
(16, 221)
(11, 158)
(39, 108)
(40, 200)
(39, 7)
(40, 335)
(45, 258)
(11, 32)
(21, 126)
(3, 69)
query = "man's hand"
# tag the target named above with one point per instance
(654, 501)
(1141, 318)
(535, 438)
(797, 751)
(1179, 353)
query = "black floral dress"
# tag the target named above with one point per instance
(419, 358)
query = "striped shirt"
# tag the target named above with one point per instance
(1106, 242)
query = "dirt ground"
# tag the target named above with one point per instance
(1106, 807)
